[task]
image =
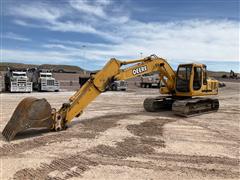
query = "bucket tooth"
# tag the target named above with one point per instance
(9, 132)
(30, 113)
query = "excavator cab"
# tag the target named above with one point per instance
(191, 79)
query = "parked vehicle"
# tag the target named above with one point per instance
(152, 81)
(114, 86)
(118, 86)
(43, 80)
(16, 80)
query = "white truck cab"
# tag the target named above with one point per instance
(19, 82)
(47, 82)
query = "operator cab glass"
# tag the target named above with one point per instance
(46, 75)
(197, 78)
(19, 74)
(204, 74)
(183, 78)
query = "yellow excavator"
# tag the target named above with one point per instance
(182, 90)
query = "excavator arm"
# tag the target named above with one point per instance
(112, 71)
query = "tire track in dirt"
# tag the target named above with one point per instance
(219, 132)
(76, 165)
(195, 159)
(148, 136)
(143, 145)
(72, 166)
(14, 149)
(223, 173)
(128, 148)
(88, 128)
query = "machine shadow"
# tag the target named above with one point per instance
(163, 114)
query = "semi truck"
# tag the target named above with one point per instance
(17, 80)
(150, 81)
(1, 82)
(120, 85)
(43, 80)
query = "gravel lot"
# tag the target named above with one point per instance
(116, 139)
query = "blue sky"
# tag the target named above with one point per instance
(89, 32)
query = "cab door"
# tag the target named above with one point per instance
(183, 78)
(197, 78)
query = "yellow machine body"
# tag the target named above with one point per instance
(189, 80)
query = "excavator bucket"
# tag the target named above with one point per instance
(30, 113)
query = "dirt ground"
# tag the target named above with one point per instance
(116, 139)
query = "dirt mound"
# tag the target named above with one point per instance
(54, 68)
(61, 68)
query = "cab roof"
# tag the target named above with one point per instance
(192, 64)
(19, 72)
(44, 73)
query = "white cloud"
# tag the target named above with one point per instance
(90, 7)
(12, 55)
(87, 15)
(50, 56)
(57, 46)
(22, 23)
(14, 36)
(100, 9)
(37, 11)
(49, 18)
(71, 27)
(103, 2)
(190, 40)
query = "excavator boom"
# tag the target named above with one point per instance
(98, 83)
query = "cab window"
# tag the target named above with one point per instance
(197, 80)
(204, 75)
(183, 78)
